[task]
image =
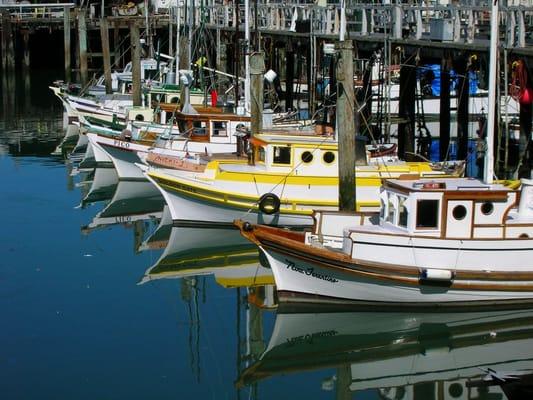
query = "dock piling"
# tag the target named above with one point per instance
(444, 122)
(66, 29)
(136, 63)
(346, 126)
(82, 36)
(104, 34)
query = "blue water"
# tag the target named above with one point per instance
(76, 322)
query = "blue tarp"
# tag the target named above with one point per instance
(435, 84)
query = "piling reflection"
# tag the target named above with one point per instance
(25, 128)
(401, 355)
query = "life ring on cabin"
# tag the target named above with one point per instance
(269, 203)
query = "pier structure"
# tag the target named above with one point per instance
(296, 37)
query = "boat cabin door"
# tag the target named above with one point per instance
(458, 218)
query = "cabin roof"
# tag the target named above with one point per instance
(444, 185)
(294, 136)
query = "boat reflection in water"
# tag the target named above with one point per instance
(133, 202)
(203, 250)
(402, 355)
(158, 239)
(103, 186)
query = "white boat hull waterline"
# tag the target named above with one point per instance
(190, 209)
(303, 281)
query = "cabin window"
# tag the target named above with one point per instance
(427, 214)
(199, 128)
(391, 209)
(459, 212)
(174, 100)
(261, 154)
(220, 128)
(183, 127)
(307, 157)
(403, 212)
(487, 208)
(282, 155)
(139, 117)
(328, 157)
(383, 209)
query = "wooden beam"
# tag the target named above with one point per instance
(136, 63)
(346, 126)
(104, 34)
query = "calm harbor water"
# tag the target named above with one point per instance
(101, 299)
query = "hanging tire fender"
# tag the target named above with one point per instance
(269, 203)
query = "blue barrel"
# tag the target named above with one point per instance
(434, 150)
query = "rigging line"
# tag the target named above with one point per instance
(356, 103)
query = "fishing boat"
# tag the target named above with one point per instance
(452, 242)
(401, 356)
(295, 172)
(204, 131)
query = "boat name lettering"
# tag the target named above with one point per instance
(120, 143)
(310, 271)
(310, 337)
(122, 219)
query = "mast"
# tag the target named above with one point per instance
(492, 115)
(178, 28)
(246, 56)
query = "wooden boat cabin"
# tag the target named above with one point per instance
(455, 209)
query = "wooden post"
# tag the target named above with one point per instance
(289, 77)
(25, 49)
(346, 126)
(444, 124)
(406, 109)
(104, 34)
(7, 39)
(82, 34)
(136, 63)
(66, 29)
(344, 380)
(117, 59)
(257, 71)
(237, 50)
(462, 108)
(5, 15)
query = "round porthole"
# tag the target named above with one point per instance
(307, 157)
(459, 212)
(328, 157)
(455, 390)
(174, 100)
(487, 208)
(139, 117)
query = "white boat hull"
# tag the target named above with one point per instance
(311, 281)
(184, 208)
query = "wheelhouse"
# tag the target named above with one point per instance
(447, 209)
